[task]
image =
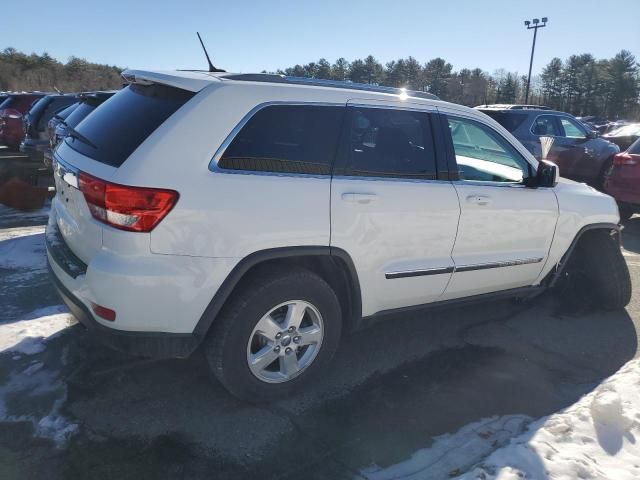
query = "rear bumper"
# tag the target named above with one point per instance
(61, 262)
(143, 344)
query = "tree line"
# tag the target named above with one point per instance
(19, 71)
(581, 84)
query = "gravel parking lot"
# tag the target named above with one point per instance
(70, 408)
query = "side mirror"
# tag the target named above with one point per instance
(548, 174)
(592, 134)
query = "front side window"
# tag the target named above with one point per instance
(483, 155)
(298, 139)
(546, 126)
(571, 128)
(389, 143)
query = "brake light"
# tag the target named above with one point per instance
(624, 159)
(135, 209)
(11, 113)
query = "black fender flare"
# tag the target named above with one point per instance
(255, 258)
(556, 273)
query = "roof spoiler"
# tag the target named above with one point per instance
(192, 81)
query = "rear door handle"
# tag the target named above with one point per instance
(361, 198)
(481, 200)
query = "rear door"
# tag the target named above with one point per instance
(505, 228)
(389, 209)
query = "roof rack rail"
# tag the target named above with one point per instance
(318, 82)
(501, 106)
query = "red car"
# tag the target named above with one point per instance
(11, 111)
(623, 180)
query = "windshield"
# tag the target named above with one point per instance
(625, 131)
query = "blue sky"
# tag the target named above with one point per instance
(246, 36)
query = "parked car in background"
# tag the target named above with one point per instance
(623, 180)
(88, 102)
(624, 136)
(559, 138)
(167, 230)
(11, 112)
(35, 140)
(52, 124)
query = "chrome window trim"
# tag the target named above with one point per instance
(460, 268)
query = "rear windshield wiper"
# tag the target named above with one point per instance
(73, 133)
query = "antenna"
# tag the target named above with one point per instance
(211, 67)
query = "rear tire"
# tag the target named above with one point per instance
(605, 272)
(240, 335)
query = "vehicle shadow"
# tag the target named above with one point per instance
(392, 390)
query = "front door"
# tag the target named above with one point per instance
(506, 228)
(389, 211)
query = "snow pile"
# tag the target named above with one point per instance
(28, 336)
(43, 387)
(454, 452)
(596, 438)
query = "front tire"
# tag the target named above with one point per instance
(604, 270)
(275, 334)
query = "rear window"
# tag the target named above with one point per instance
(510, 121)
(21, 103)
(124, 121)
(66, 111)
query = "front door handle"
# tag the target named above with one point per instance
(481, 200)
(362, 198)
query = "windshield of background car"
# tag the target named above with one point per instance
(625, 131)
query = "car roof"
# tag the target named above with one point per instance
(196, 80)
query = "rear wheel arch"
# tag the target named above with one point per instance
(333, 265)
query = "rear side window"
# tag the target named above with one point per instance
(546, 125)
(389, 143)
(114, 130)
(510, 121)
(286, 139)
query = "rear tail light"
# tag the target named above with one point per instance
(135, 209)
(11, 113)
(624, 159)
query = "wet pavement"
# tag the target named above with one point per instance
(393, 389)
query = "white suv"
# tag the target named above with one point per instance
(265, 216)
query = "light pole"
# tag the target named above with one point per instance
(536, 25)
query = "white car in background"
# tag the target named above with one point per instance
(265, 216)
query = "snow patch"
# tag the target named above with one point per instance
(22, 248)
(29, 336)
(596, 438)
(454, 452)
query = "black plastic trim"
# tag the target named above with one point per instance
(250, 261)
(62, 254)
(554, 276)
